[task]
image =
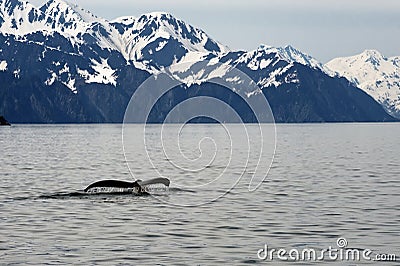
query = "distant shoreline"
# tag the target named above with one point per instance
(277, 123)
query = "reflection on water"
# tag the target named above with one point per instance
(327, 181)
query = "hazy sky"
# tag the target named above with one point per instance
(324, 29)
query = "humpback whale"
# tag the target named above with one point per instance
(138, 184)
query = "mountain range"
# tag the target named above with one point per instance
(62, 64)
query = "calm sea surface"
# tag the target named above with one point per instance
(327, 181)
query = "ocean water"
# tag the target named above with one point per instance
(327, 181)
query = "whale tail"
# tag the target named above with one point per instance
(125, 186)
(155, 181)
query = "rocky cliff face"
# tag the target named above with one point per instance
(4, 122)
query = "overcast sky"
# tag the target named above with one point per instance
(324, 29)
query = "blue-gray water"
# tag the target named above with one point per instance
(327, 181)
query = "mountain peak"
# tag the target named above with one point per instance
(62, 2)
(159, 17)
(290, 54)
(373, 57)
(264, 47)
(64, 12)
(372, 52)
(126, 20)
(161, 35)
(368, 59)
(290, 48)
(59, 4)
(296, 55)
(159, 14)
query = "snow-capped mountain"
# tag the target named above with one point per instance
(160, 40)
(150, 42)
(375, 74)
(60, 63)
(268, 66)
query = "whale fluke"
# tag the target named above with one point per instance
(155, 181)
(139, 184)
(113, 183)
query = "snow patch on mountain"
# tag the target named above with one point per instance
(17, 73)
(3, 65)
(255, 59)
(51, 79)
(20, 18)
(103, 73)
(375, 74)
(62, 75)
(198, 72)
(70, 84)
(272, 79)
